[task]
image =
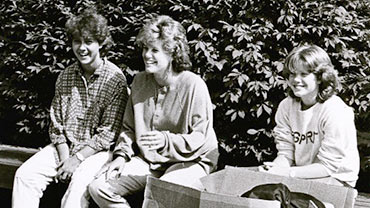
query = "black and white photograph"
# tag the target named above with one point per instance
(184, 103)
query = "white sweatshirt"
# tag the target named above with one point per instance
(325, 133)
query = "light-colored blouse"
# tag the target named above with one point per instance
(183, 112)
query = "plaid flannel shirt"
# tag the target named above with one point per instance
(88, 112)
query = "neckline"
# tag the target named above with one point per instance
(302, 107)
(169, 86)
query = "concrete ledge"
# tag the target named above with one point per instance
(362, 200)
(11, 158)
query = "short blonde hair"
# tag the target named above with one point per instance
(173, 37)
(314, 60)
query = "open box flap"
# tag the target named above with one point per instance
(237, 180)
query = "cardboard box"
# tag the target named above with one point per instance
(223, 189)
(236, 181)
(162, 194)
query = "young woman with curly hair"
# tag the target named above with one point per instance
(168, 123)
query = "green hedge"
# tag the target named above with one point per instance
(238, 47)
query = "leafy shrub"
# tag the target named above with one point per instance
(33, 52)
(237, 46)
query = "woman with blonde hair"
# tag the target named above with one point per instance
(168, 123)
(315, 133)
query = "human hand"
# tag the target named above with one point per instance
(153, 140)
(114, 168)
(273, 168)
(267, 166)
(66, 169)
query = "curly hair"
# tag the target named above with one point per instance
(314, 60)
(90, 24)
(172, 36)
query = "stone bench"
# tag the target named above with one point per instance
(12, 157)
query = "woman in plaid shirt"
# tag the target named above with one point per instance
(86, 116)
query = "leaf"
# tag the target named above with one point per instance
(267, 109)
(234, 97)
(36, 69)
(236, 54)
(241, 114)
(240, 80)
(278, 36)
(60, 65)
(229, 112)
(280, 19)
(259, 111)
(233, 116)
(252, 131)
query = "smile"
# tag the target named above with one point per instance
(150, 62)
(83, 54)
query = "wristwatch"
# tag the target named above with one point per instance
(79, 156)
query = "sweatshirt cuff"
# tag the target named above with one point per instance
(166, 139)
(287, 155)
(117, 153)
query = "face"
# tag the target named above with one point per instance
(86, 50)
(304, 84)
(156, 59)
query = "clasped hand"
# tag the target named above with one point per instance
(153, 140)
(66, 169)
(112, 169)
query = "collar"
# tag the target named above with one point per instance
(78, 69)
(173, 86)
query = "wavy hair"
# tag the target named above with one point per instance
(172, 36)
(314, 60)
(90, 24)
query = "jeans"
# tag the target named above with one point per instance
(111, 193)
(34, 175)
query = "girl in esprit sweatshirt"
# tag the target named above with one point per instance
(315, 134)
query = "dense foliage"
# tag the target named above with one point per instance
(238, 47)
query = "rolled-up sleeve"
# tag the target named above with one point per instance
(56, 129)
(185, 146)
(126, 138)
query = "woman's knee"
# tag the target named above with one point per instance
(187, 174)
(95, 187)
(186, 169)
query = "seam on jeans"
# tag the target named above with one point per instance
(56, 157)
